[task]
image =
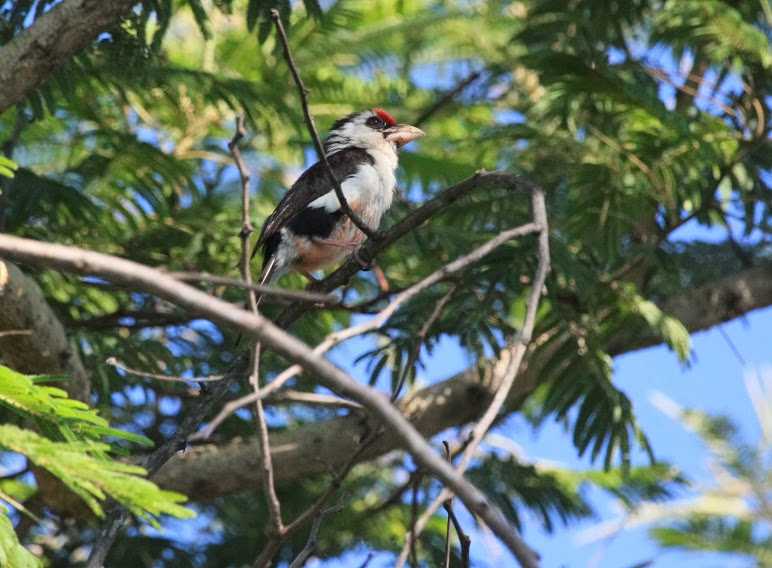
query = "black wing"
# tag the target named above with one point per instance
(310, 186)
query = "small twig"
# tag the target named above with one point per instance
(449, 509)
(303, 91)
(265, 557)
(113, 362)
(452, 519)
(466, 542)
(447, 98)
(372, 324)
(274, 507)
(313, 398)
(277, 293)
(413, 520)
(422, 333)
(732, 346)
(313, 536)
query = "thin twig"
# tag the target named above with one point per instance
(421, 338)
(313, 537)
(265, 557)
(315, 399)
(372, 324)
(15, 332)
(113, 362)
(452, 519)
(274, 506)
(448, 507)
(276, 293)
(413, 519)
(447, 98)
(511, 358)
(303, 91)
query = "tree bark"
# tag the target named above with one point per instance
(30, 58)
(209, 471)
(32, 340)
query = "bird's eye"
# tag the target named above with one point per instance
(376, 122)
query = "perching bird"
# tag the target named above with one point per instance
(308, 230)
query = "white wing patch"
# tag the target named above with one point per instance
(365, 186)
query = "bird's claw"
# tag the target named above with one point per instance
(363, 264)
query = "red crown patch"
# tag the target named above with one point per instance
(387, 118)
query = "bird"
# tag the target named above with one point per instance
(308, 230)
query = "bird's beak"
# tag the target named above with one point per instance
(401, 134)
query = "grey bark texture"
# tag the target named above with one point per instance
(30, 58)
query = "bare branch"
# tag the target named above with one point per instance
(269, 488)
(303, 91)
(281, 294)
(113, 362)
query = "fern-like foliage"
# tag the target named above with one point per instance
(72, 448)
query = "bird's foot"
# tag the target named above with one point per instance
(363, 264)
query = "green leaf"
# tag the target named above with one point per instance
(7, 167)
(84, 469)
(12, 553)
(22, 394)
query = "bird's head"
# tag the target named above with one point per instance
(371, 129)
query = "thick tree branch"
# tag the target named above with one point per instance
(32, 340)
(256, 327)
(210, 471)
(30, 58)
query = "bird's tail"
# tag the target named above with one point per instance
(270, 273)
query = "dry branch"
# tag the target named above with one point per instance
(256, 327)
(269, 488)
